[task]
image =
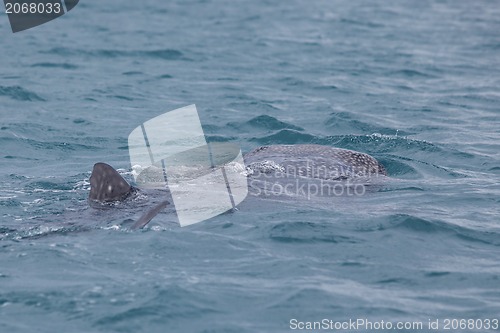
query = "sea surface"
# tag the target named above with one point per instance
(416, 84)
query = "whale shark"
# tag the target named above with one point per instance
(282, 165)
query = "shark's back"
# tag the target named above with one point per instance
(313, 161)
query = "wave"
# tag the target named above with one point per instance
(308, 232)
(164, 54)
(415, 224)
(20, 94)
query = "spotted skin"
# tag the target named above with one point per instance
(106, 184)
(313, 161)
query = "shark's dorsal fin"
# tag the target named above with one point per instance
(106, 184)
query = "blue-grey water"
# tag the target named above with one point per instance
(413, 83)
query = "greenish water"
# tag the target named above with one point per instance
(413, 84)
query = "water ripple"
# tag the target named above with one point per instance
(19, 94)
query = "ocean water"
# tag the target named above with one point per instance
(414, 84)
